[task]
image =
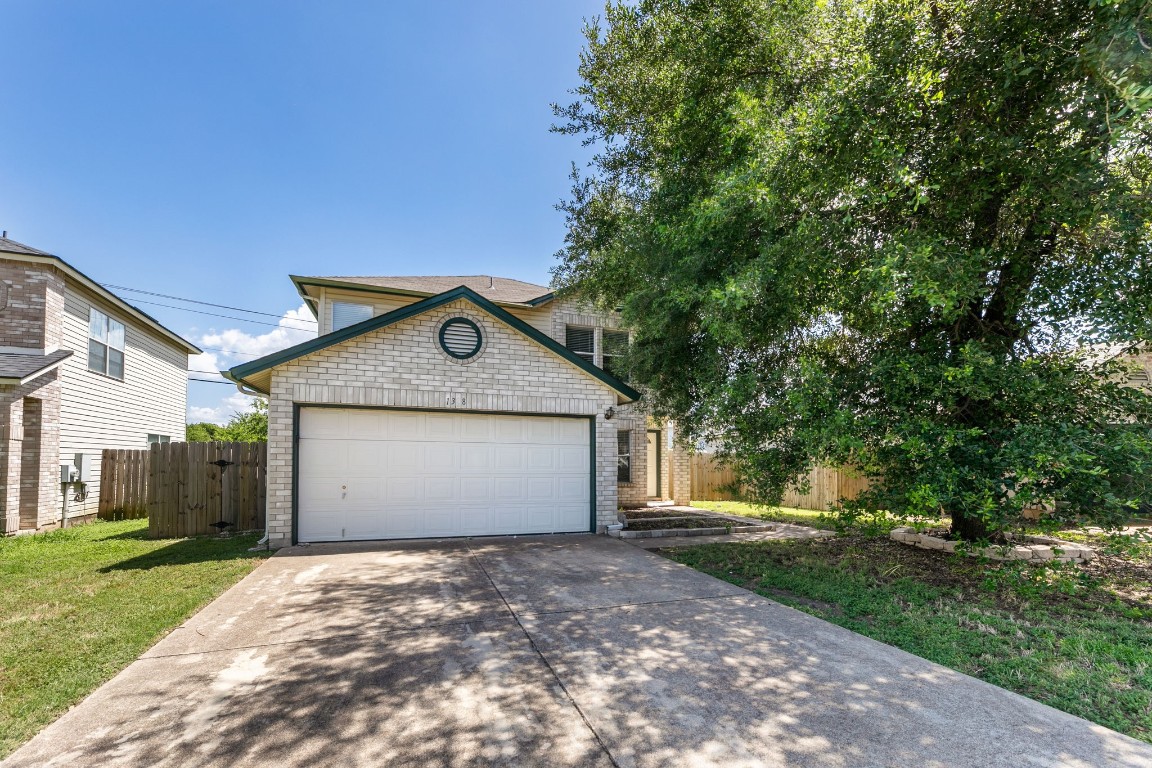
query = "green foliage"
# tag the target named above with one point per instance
(203, 432)
(247, 427)
(78, 605)
(1080, 643)
(911, 236)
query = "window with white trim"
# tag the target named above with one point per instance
(346, 313)
(105, 345)
(581, 341)
(615, 348)
(623, 455)
(153, 439)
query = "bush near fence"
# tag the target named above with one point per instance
(712, 481)
(182, 488)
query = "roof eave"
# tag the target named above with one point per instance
(322, 282)
(105, 294)
(240, 372)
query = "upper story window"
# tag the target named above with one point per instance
(581, 341)
(346, 313)
(105, 345)
(615, 347)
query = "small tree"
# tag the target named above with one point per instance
(247, 427)
(909, 235)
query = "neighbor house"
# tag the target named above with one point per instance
(80, 371)
(454, 406)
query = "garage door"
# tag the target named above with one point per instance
(377, 474)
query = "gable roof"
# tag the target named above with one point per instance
(20, 252)
(241, 373)
(18, 368)
(501, 290)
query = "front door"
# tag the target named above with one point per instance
(653, 464)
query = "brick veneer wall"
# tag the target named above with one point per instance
(402, 366)
(32, 318)
(31, 306)
(15, 433)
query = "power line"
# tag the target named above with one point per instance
(213, 381)
(197, 301)
(230, 317)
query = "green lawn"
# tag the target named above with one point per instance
(808, 517)
(76, 606)
(1076, 639)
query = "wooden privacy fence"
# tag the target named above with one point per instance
(712, 481)
(183, 488)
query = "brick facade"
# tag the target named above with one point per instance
(31, 318)
(401, 366)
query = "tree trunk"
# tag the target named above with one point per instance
(969, 528)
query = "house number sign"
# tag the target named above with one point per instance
(456, 401)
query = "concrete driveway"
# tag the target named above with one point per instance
(559, 651)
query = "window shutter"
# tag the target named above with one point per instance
(582, 341)
(345, 313)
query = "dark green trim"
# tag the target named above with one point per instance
(389, 318)
(296, 407)
(461, 321)
(592, 467)
(295, 474)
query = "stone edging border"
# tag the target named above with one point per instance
(660, 533)
(1031, 548)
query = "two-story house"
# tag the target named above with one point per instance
(80, 371)
(454, 406)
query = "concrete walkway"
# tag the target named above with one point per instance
(559, 651)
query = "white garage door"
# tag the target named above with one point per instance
(376, 474)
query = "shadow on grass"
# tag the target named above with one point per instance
(185, 551)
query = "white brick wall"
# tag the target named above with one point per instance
(401, 366)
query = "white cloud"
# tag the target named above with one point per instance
(222, 411)
(295, 326)
(227, 348)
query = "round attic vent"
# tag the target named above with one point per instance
(460, 338)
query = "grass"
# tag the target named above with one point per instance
(1078, 639)
(78, 605)
(809, 517)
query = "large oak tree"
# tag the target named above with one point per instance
(908, 235)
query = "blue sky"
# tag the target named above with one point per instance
(209, 149)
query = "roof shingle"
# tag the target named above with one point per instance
(498, 289)
(21, 367)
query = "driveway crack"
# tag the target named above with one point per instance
(547, 664)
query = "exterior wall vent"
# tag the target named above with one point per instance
(460, 338)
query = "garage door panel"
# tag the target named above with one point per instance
(374, 474)
(541, 458)
(441, 457)
(476, 488)
(404, 456)
(441, 427)
(508, 458)
(508, 429)
(508, 488)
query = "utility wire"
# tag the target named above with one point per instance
(196, 301)
(213, 381)
(231, 317)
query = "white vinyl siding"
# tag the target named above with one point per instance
(346, 313)
(539, 318)
(98, 412)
